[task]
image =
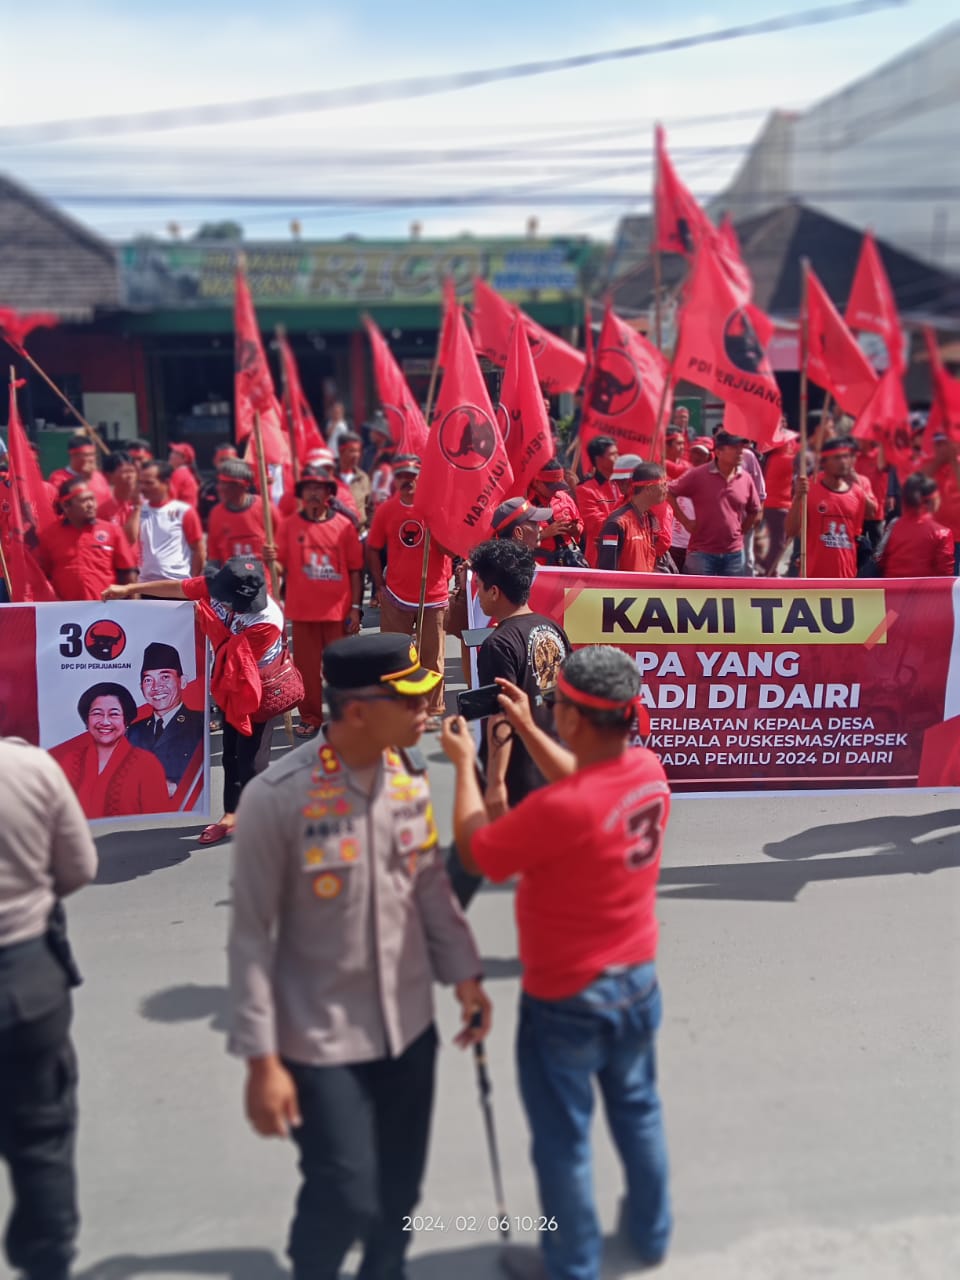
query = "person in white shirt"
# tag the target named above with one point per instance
(172, 544)
(337, 426)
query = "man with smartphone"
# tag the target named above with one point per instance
(525, 648)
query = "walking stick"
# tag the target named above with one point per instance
(485, 1091)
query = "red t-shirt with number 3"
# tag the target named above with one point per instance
(587, 895)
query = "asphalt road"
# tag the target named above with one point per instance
(809, 1057)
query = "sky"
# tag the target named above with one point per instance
(572, 148)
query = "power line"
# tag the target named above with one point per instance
(418, 87)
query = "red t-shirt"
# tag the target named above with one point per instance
(834, 522)
(948, 512)
(237, 533)
(119, 513)
(98, 483)
(564, 507)
(678, 468)
(318, 557)
(779, 471)
(82, 563)
(184, 487)
(597, 501)
(879, 481)
(917, 546)
(586, 898)
(398, 528)
(722, 506)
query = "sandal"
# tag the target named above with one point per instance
(215, 833)
(306, 731)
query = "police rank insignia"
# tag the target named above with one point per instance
(327, 886)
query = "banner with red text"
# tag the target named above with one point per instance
(780, 685)
(117, 694)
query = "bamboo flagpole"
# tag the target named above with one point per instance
(3, 559)
(431, 391)
(268, 532)
(655, 247)
(804, 356)
(93, 434)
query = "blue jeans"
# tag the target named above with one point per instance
(607, 1031)
(730, 565)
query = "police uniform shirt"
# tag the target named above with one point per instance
(343, 914)
(46, 850)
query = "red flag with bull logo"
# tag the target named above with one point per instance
(306, 432)
(680, 225)
(720, 347)
(559, 366)
(886, 418)
(872, 306)
(408, 429)
(625, 389)
(466, 473)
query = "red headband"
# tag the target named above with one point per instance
(513, 517)
(645, 484)
(634, 707)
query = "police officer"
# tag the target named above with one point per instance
(46, 852)
(343, 917)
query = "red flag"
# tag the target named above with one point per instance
(945, 406)
(835, 360)
(559, 366)
(15, 326)
(25, 511)
(448, 313)
(720, 349)
(466, 473)
(408, 429)
(886, 418)
(253, 385)
(306, 433)
(522, 415)
(872, 306)
(625, 389)
(680, 225)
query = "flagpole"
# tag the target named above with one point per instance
(660, 443)
(655, 247)
(804, 354)
(268, 531)
(281, 333)
(422, 603)
(3, 559)
(94, 436)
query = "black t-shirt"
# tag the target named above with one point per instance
(527, 650)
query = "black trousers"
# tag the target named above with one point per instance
(38, 1118)
(363, 1150)
(239, 762)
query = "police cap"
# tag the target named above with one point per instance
(357, 662)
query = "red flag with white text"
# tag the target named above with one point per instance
(625, 389)
(872, 306)
(720, 347)
(466, 473)
(522, 415)
(253, 384)
(835, 360)
(25, 511)
(560, 367)
(408, 429)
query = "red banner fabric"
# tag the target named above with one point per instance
(466, 473)
(16, 326)
(253, 384)
(306, 432)
(522, 415)
(720, 348)
(780, 685)
(25, 511)
(886, 418)
(625, 389)
(872, 306)
(944, 413)
(835, 360)
(407, 426)
(559, 366)
(681, 226)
